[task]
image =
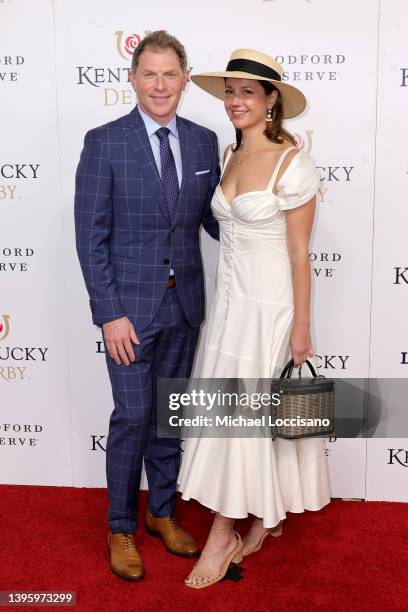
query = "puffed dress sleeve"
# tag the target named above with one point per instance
(299, 183)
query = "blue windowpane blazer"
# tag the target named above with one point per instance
(124, 238)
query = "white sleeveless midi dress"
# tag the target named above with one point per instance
(248, 337)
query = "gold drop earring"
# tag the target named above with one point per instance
(268, 115)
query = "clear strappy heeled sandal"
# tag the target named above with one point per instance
(235, 556)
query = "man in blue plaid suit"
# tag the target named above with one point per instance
(143, 189)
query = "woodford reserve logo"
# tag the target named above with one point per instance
(18, 434)
(14, 260)
(12, 358)
(113, 81)
(9, 68)
(311, 67)
(324, 263)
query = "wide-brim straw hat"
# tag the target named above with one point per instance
(250, 64)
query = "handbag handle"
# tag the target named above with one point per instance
(288, 369)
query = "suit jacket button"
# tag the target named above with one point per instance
(166, 261)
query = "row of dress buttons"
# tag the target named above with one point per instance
(228, 280)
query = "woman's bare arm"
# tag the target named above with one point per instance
(299, 223)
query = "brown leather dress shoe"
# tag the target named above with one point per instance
(175, 538)
(125, 560)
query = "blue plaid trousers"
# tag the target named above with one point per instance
(166, 351)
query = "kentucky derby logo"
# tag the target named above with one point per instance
(126, 44)
(304, 143)
(4, 326)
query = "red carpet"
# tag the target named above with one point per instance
(349, 556)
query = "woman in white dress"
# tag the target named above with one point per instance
(265, 206)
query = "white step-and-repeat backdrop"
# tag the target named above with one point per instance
(64, 69)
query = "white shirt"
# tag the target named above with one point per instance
(151, 129)
(174, 141)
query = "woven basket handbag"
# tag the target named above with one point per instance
(302, 399)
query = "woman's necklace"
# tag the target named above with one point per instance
(243, 159)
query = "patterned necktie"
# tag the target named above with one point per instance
(168, 172)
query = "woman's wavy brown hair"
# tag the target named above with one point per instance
(274, 131)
